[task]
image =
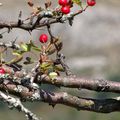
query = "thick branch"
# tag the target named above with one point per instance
(102, 106)
(99, 85)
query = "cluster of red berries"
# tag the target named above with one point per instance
(65, 9)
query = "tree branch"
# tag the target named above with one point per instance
(30, 27)
(27, 88)
(99, 85)
(16, 103)
(102, 106)
(25, 26)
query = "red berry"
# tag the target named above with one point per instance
(2, 71)
(43, 38)
(91, 2)
(63, 2)
(65, 9)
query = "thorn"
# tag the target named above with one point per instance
(78, 109)
(30, 32)
(13, 42)
(9, 29)
(1, 36)
(19, 18)
(51, 104)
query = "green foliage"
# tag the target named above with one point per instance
(27, 47)
(24, 48)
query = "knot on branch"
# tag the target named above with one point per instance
(102, 85)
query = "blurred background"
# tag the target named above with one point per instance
(91, 47)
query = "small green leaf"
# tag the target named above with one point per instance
(53, 75)
(45, 66)
(78, 2)
(59, 68)
(34, 47)
(28, 46)
(25, 47)
(18, 57)
(17, 52)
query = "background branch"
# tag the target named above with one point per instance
(16, 103)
